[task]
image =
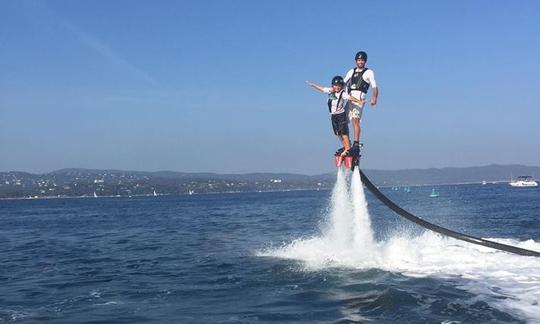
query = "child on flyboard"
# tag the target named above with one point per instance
(337, 103)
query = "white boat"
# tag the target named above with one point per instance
(95, 196)
(524, 181)
(434, 194)
(155, 194)
(191, 192)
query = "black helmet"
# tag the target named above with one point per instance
(337, 80)
(361, 55)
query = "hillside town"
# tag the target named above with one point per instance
(99, 183)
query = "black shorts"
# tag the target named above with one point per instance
(340, 124)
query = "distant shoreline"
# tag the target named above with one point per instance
(241, 192)
(85, 183)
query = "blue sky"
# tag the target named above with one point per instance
(218, 86)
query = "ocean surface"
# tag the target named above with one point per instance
(334, 256)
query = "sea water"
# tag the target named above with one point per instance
(308, 256)
(507, 282)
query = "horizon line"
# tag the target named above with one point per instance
(266, 172)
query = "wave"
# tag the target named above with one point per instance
(508, 282)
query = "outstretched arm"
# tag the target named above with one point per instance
(316, 86)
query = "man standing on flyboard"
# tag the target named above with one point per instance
(358, 81)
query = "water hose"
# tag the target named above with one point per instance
(441, 230)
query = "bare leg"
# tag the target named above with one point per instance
(346, 143)
(356, 126)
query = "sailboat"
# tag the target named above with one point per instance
(155, 194)
(95, 196)
(434, 194)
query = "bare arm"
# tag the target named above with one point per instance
(315, 86)
(359, 102)
(374, 96)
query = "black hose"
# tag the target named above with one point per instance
(441, 230)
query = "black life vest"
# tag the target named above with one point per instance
(357, 82)
(330, 99)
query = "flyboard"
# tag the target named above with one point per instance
(350, 161)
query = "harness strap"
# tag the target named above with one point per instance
(337, 104)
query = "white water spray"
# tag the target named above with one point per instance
(339, 231)
(346, 238)
(363, 234)
(349, 223)
(510, 282)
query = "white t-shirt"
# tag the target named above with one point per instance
(368, 76)
(337, 106)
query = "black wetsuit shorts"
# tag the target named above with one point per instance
(340, 124)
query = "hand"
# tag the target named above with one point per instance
(373, 101)
(359, 102)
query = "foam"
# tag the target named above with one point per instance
(505, 281)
